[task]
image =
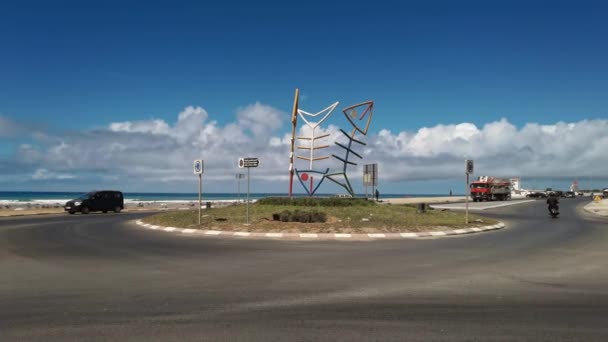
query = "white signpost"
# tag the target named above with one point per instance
(199, 168)
(469, 167)
(248, 163)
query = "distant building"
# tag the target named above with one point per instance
(516, 183)
(574, 186)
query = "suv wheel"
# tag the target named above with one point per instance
(117, 209)
(84, 210)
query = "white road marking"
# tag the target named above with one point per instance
(169, 229)
(138, 221)
(438, 233)
(379, 235)
(408, 235)
(153, 227)
(242, 233)
(308, 235)
(188, 231)
(278, 235)
(476, 229)
(342, 235)
(481, 206)
(213, 232)
(460, 231)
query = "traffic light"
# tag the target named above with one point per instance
(469, 166)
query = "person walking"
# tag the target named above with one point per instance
(377, 195)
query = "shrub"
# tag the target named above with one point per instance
(316, 201)
(285, 216)
(300, 216)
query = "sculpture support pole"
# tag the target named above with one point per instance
(294, 120)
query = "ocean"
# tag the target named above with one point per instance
(23, 197)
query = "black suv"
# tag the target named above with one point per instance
(103, 201)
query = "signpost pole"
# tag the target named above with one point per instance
(238, 176)
(466, 200)
(248, 195)
(200, 190)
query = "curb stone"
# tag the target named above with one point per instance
(599, 209)
(318, 236)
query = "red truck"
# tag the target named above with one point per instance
(490, 189)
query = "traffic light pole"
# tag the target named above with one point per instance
(466, 201)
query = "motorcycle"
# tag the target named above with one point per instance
(554, 211)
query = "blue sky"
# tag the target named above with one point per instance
(68, 68)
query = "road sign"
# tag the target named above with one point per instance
(597, 198)
(248, 162)
(370, 174)
(469, 166)
(199, 167)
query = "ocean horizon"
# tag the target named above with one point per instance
(56, 196)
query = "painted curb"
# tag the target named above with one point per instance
(316, 236)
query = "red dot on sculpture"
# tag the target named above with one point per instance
(304, 177)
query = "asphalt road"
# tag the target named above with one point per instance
(100, 277)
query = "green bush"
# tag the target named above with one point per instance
(316, 201)
(285, 216)
(300, 216)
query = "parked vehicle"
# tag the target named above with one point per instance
(569, 194)
(537, 195)
(490, 189)
(103, 201)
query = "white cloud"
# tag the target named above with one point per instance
(499, 148)
(155, 151)
(44, 174)
(10, 128)
(152, 126)
(260, 118)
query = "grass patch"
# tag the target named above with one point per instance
(347, 219)
(316, 201)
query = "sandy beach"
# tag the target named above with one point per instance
(15, 209)
(414, 200)
(57, 208)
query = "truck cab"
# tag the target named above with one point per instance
(490, 189)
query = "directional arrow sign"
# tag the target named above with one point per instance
(248, 162)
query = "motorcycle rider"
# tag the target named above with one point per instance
(553, 202)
